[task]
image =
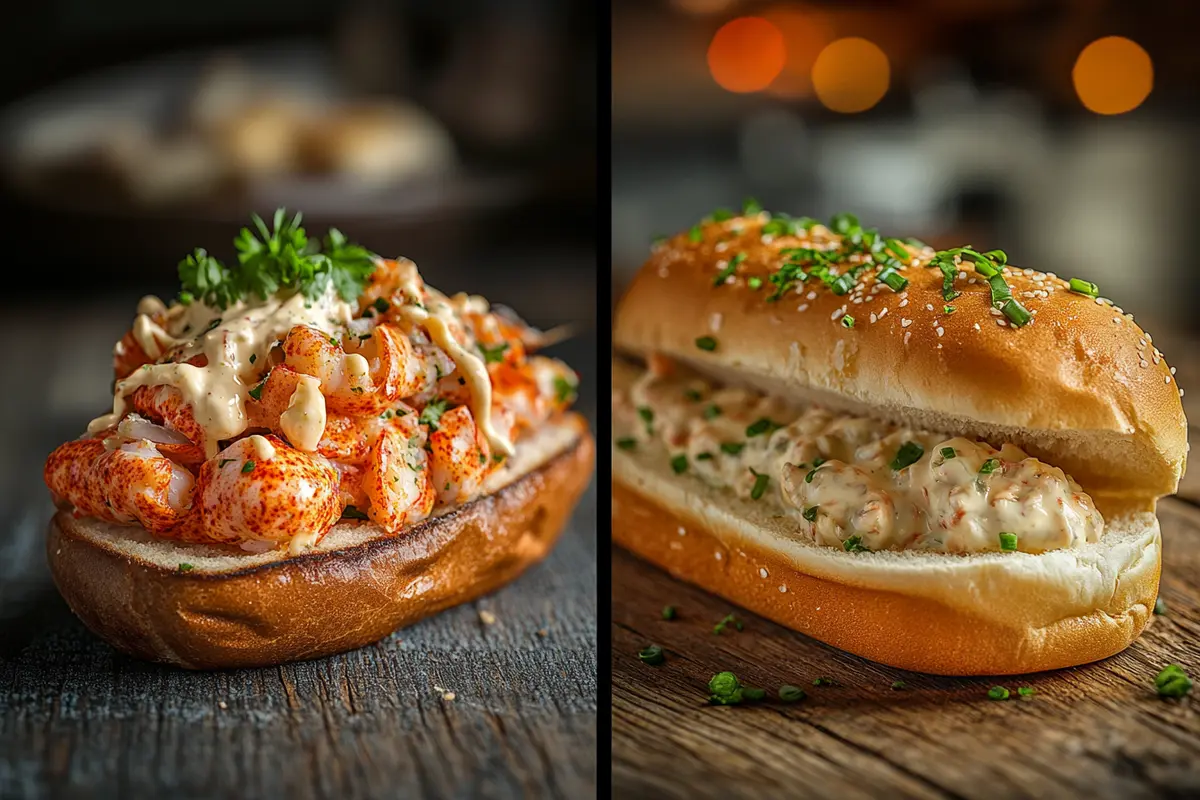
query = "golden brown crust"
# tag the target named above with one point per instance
(321, 603)
(889, 626)
(1082, 386)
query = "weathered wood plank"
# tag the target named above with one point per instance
(1098, 730)
(78, 720)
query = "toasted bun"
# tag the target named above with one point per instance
(234, 609)
(1081, 387)
(988, 614)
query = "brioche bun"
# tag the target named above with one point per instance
(227, 608)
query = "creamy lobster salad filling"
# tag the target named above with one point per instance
(854, 482)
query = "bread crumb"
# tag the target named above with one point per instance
(487, 617)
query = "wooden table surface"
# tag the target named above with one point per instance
(79, 720)
(1097, 731)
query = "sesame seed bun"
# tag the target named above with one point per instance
(1080, 387)
(227, 608)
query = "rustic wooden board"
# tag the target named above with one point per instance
(1096, 731)
(78, 720)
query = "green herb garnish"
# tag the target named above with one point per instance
(732, 448)
(791, 694)
(730, 619)
(1026, 691)
(810, 513)
(679, 464)
(652, 655)
(1084, 287)
(668, 612)
(431, 414)
(989, 466)
(949, 453)
(185, 567)
(248, 467)
(761, 426)
(493, 355)
(1008, 542)
(564, 390)
(898, 685)
(707, 343)
(1172, 682)
(627, 443)
(997, 693)
(854, 545)
(712, 412)
(1160, 606)
(353, 512)
(908, 454)
(729, 270)
(847, 321)
(760, 484)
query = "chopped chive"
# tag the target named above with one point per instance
(1085, 287)
(730, 619)
(652, 655)
(185, 567)
(706, 343)
(847, 321)
(1008, 542)
(895, 281)
(823, 681)
(712, 412)
(760, 484)
(729, 270)
(1172, 682)
(1026, 691)
(949, 309)
(761, 426)
(810, 513)
(732, 448)
(1016, 313)
(997, 693)
(696, 234)
(627, 443)
(791, 694)
(248, 467)
(679, 464)
(989, 466)
(908, 454)
(754, 283)
(949, 453)
(705, 456)
(668, 612)
(898, 685)
(751, 206)
(854, 545)
(693, 395)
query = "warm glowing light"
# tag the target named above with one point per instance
(1113, 75)
(746, 54)
(851, 75)
(805, 34)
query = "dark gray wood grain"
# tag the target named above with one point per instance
(79, 720)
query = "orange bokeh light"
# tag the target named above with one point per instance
(805, 34)
(1113, 75)
(851, 75)
(746, 54)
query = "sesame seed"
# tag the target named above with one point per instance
(873, 317)
(663, 272)
(1117, 320)
(762, 571)
(1002, 323)
(1172, 370)
(856, 300)
(720, 246)
(682, 531)
(812, 295)
(970, 280)
(907, 336)
(904, 323)
(1144, 363)
(995, 312)
(783, 588)
(721, 264)
(940, 331)
(803, 307)
(929, 306)
(841, 312)
(883, 313)
(904, 302)
(977, 326)
(1181, 392)
(717, 555)
(1099, 301)
(939, 347)
(1141, 342)
(767, 238)
(1166, 378)
(962, 276)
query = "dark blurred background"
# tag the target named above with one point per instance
(459, 133)
(1016, 124)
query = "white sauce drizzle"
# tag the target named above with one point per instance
(304, 421)
(436, 318)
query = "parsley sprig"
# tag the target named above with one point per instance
(281, 257)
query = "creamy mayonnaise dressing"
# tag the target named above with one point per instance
(833, 473)
(303, 423)
(228, 339)
(436, 317)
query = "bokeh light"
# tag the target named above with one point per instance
(805, 33)
(851, 75)
(1113, 75)
(746, 54)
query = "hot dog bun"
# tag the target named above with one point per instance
(234, 609)
(1081, 388)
